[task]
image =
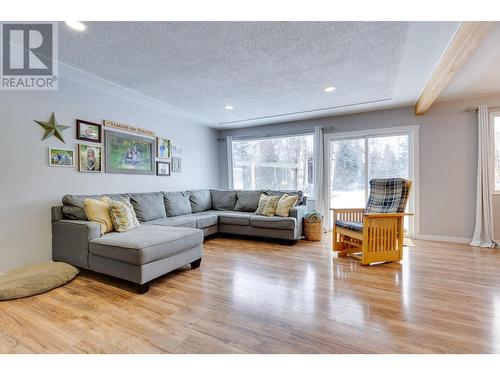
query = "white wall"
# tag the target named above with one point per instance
(448, 158)
(29, 187)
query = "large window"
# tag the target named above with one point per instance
(496, 124)
(274, 163)
(354, 160)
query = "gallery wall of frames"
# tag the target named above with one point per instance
(113, 147)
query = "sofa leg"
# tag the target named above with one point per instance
(143, 288)
(196, 264)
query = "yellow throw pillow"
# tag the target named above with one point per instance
(98, 211)
(284, 205)
(122, 215)
(267, 205)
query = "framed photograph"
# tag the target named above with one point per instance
(61, 157)
(163, 168)
(129, 154)
(162, 148)
(89, 158)
(88, 131)
(175, 151)
(176, 165)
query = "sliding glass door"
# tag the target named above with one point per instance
(353, 160)
(347, 173)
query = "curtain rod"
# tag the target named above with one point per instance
(473, 109)
(278, 134)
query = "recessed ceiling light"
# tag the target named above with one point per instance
(329, 89)
(77, 25)
(228, 107)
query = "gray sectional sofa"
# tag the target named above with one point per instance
(173, 226)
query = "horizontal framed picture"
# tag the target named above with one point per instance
(162, 148)
(88, 131)
(89, 158)
(61, 157)
(176, 165)
(130, 154)
(163, 168)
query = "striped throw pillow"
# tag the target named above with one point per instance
(122, 215)
(267, 205)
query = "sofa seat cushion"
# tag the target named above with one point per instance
(146, 243)
(187, 221)
(235, 218)
(205, 221)
(273, 222)
(352, 225)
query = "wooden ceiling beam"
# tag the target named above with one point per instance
(464, 43)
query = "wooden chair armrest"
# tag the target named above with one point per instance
(347, 210)
(377, 215)
(348, 214)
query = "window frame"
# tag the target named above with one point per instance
(268, 137)
(492, 116)
(414, 165)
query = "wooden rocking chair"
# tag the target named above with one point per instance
(375, 233)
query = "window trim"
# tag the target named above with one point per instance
(266, 137)
(493, 115)
(413, 131)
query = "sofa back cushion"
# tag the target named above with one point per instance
(74, 205)
(177, 203)
(148, 206)
(247, 200)
(201, 200)
(223, 200)
(300, 201)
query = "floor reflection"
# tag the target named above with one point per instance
(277, 293)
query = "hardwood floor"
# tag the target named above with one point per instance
(259, 297)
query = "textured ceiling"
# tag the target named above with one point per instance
(263, 69)
(480, 75)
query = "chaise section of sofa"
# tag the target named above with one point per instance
(139, 255)
(145, 253)
(173, 226)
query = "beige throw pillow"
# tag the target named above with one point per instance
(267, 205)
(122, 215)
(284, 205)
(98, 211)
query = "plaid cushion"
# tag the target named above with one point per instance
(387, 195)
(352, 225)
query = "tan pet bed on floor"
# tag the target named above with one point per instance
(30, 280)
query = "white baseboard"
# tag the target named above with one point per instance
(430, 237)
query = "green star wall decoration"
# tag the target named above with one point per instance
(52, 128)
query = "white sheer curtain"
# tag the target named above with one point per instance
(483, 230)
(320, 176)
(229, 155)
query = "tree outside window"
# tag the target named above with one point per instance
(282, 163)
